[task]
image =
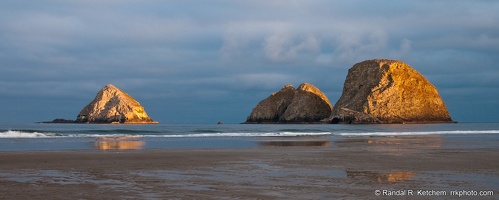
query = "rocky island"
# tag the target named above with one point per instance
(388, 91)
(111, 106)
(307, 104)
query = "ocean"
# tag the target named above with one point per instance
(40, 136)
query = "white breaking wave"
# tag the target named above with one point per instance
(270, 134)
(34, 134)
(420, 133)
(21, 134)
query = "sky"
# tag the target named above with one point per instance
(207, 61)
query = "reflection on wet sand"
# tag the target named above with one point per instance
(415, 141)
(396, 145)
(401, 141)
(382, 177)
(119, 143)
(295, 143)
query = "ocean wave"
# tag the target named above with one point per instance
(269, 134)
(194, 135)
(419, 133)
(26, 134)
(34, 134)
(197, 133)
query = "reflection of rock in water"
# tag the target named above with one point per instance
(295, 143)
(119, 143)
(381, 177)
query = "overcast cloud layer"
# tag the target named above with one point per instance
(209, 61)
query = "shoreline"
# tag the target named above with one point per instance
(347, 168)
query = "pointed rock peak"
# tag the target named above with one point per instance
(288, 86)
(286, 89)
(110, 91)
(308, 87)
(112, 105)
(110, 87)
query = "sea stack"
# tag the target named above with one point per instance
(111, 105)
(307, 104)
(388, 91)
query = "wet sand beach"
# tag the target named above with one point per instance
(350, 168)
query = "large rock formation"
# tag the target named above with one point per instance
(111, 105)
(388, 91)
(307, 104)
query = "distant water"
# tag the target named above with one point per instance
(32, 136)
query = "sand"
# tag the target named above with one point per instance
(367, 168)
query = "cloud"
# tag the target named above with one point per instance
(46, 88)
(235, 42)
(282, 47)
(264, 81)
(361, 43)
(404, 50)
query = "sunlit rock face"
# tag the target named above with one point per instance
(270, 109)
(307, 104)
(388, 91)
(111, 105)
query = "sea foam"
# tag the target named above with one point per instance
(27, 134)
(97, 134)
(24, 134)
(256, 134)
